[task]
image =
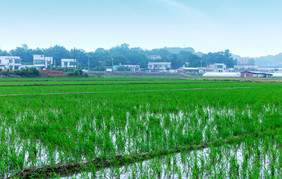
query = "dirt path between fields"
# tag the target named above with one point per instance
(163, 79)
(94, 84)
(67, 169)
(106, 92)
(200, 80)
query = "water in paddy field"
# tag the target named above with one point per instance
(36, 153)
(233, 161)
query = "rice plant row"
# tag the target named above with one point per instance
(44, 130)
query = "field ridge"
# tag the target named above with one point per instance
(66, 169)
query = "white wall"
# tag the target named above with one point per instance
(215, 67)
(159, 65)
(68, 63)
(41, 62)
(10, 62)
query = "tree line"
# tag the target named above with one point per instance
(100, 58)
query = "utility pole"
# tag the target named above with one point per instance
(112, 64)
(88, 63)
(202, 66)
(74, 58)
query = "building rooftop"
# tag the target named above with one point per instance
(190, 68)
(257, 72)
(246, 65)
(160, 62)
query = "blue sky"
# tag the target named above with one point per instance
(246, 27)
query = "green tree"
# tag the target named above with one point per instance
(220, 57)
(24, 52)
(195, 61)
(3, 53)
(57, 52)
(251, 61)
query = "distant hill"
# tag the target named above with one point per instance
(200, 54)
(269, 60)
(176, 50)
(264, 60)
(238, 57)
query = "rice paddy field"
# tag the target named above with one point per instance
(140, 127)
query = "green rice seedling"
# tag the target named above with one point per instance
(117, 120)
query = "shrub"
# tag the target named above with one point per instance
(27, 72)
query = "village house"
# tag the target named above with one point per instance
(155, 57)
(10, 62)
(109, 69)
(133, 68)
(41, 62)
(159, 66)
(243, 67)
(68, 63)
(216, 67)
(255, 74)
(271, 68)
(188, 70)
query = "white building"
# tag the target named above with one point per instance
(133, 68)
(68, 63)
(155, 57)
(191, 70)
(271, 68)
(41, 62)
(243, 67)
(109, 69)
(26, 66)
(10, 62)
(216, 67)
(222, 74)
(159, 66)
(277, 75)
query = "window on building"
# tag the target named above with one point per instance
(17, 61)
(65, 64)
(39, 62)
(71, 63)
(10, 61)
(219, 66)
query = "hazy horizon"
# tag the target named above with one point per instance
(248, 29)
(88, 51)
